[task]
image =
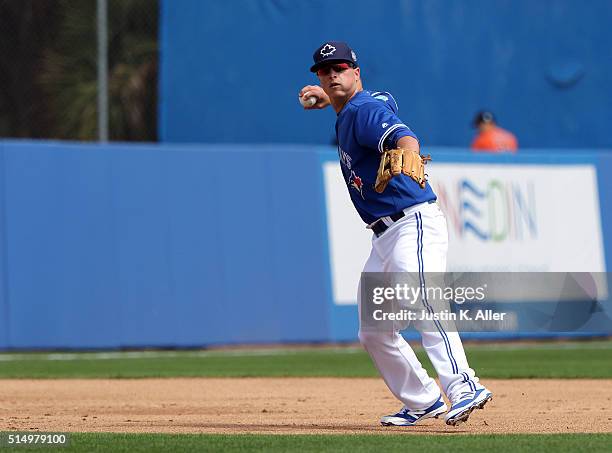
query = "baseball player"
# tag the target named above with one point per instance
(383, 170)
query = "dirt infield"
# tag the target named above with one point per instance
(287, 405)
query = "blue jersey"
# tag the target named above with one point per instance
(366, 126)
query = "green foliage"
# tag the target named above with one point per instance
(69, 74)
(26, 27)
(48, 69)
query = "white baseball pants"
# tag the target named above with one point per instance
(417, 242)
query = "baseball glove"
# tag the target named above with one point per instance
(396, 161)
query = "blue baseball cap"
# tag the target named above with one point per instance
(333, 51)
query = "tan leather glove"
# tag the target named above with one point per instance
(396, 161)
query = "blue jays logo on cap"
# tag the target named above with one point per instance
(333, 51)
(327, 50)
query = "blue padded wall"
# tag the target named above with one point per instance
(123, 245)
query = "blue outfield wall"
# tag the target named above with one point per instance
(122, 245)
(107, 246)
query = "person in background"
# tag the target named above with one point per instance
(491, 138)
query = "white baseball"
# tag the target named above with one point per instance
(309, 101)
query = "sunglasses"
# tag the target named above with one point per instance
(340, 67)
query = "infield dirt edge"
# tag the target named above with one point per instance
(288, 406)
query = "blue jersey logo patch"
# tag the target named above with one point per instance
(356, 183)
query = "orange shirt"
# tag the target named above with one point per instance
(495, 140)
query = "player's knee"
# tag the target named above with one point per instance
(371, 338)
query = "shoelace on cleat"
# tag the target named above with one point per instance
(463, 396)
(406, 411)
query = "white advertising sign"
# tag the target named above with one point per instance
(516, 218)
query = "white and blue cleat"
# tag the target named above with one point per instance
(406, 417)
(461, 409)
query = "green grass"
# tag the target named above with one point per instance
(134, 443)
(547, 360)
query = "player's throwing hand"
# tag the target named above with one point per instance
(317, 92)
